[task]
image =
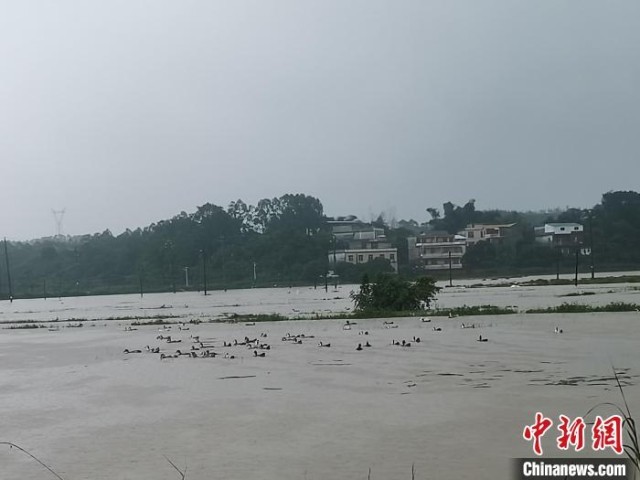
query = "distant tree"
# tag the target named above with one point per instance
(616, 228)
(242, 212)
(392, 293)
(409, 225)
(455, 217)
(380, 221)
(480, 255)
(434, 212)
(398, 238)
(571, 215)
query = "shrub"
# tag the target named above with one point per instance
(392, 293)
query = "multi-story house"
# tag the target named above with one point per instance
(358, 242)
(437, 250)
(566, 237)
(494, 234)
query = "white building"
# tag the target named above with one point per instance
(437, 250)
(357, 242)
(564, 236)
(494, 234)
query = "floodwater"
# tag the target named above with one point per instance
(450, 406)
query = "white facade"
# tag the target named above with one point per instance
(360, 243)
(550, 232)
(475, 233)
(564, 236)
(358, 256)
(438, 250)
(562, 228)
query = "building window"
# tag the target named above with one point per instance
(562, 229)
(470, 235)
(392, 257)
(360, 258)
(370, 257)
(350, 257)
(381, 255)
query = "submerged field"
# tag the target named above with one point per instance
(452, 406)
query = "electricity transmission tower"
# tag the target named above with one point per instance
(58, 215)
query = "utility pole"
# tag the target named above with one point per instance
(591, 256)
(186, 277)
(224, 277)
(577, 259)
(204, 270)
(254, 275)
(334, 250)
(173, 277)
(6, 257)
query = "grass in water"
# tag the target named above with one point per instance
(25, 326)
(632, 445)
(583, 308)
(578, 294)
(13, 445)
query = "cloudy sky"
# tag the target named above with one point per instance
(126, 112)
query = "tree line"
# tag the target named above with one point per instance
(285, 241)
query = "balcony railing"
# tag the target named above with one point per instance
(441, 255)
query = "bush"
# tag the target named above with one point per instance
(392, 293)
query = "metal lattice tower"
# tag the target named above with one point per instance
(58, 216)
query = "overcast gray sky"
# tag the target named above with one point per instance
(126, 112)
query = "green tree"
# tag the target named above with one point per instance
(392, 293)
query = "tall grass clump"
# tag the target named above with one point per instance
(29, 454)
(632, 444)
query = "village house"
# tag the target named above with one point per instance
(357, 242)
(565, 237)
(437, 250)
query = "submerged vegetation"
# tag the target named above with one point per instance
(392, 293)
(475, 310)
(261, 317)
(632, 445)
(584, 308)
(578, 294)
